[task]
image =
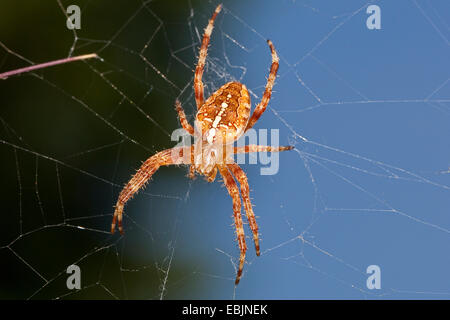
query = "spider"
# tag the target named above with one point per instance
(220, 121)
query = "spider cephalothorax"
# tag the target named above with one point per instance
(220, 121)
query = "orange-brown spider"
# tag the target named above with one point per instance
(220, 121)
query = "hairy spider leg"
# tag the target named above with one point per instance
(191, 174)
(182, 116)
(233, 190)
(212, 176)
(261, 107)
(142, 176)
(198, 84)
(241, 177)
(189, 129)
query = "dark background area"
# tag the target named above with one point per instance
(64, 113)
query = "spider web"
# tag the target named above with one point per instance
(367, 183)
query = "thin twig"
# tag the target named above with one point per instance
(46, 64)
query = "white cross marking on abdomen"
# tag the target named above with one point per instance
(219, 115)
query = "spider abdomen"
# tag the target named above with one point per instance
(225, 114)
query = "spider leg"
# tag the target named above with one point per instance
(241, 177)
(183, 121)
(261, 107)
(233, 190)
(255, 148)
(198, 84)
(212, 175)
(191, 174)
(145, 172)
